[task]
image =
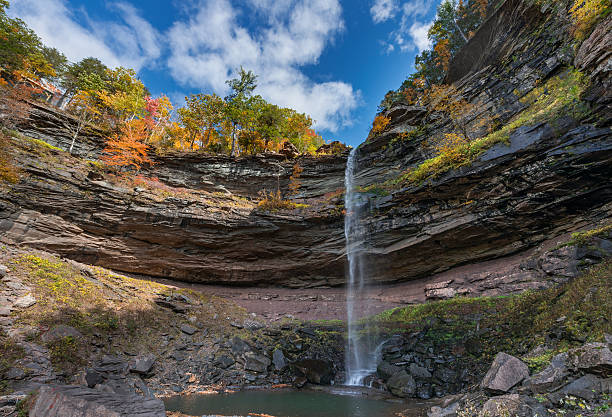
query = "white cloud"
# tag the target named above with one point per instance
(130, 42)
(383, 10)
(208, 48)
(411, 32)
(418, 32)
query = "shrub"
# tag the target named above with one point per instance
(273, 201)
(8, 171)
(586, 13)
(380, 124)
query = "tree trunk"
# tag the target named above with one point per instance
(233, 151)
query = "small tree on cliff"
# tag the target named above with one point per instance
(236, 101)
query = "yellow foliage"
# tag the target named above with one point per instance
(380, 124)
(585, 13)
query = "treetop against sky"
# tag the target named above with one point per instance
(333, 60)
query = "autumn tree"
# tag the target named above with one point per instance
(201, 117)
(21, 50)
(127, 148)
(124, 96)
(380, 123)
(585, 13)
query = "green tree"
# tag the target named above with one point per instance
(202, 116)
(57, 60)
(237, 102)
(76, 74)
(20, 48)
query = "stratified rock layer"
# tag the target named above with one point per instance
(552, 178)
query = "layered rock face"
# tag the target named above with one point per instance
(551, 178)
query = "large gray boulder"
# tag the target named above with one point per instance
(552, 377)
(385, 370)
(402, 384)
(595, 358)
(59, 332)
(142, 364)
(279, 360)
(72, 401)
(256, 362)
(505, 373)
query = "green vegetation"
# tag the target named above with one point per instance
(582, 238)
(538, 363)
(578, 310)
(104, 304)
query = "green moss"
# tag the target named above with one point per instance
(42, 144)
(583, 238)
(538, 363)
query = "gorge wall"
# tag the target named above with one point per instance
(202, 223)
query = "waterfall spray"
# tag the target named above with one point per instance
(360, 355)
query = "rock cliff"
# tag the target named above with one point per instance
(200, 222)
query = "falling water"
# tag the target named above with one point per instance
(361, 358)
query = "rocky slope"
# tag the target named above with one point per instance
(199, 221)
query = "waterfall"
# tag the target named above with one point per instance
(360, 355)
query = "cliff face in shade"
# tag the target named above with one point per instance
(551, 178)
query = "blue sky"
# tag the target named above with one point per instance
(333, 59)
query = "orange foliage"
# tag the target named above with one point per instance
(481, 7)
(380, 124)
(14, 106)
(127, 148)
(442, 49)
(295, 184)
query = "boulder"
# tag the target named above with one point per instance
(317, 371)
(187, 329)
(502, 406)
(278, 357)
(71, 401)
(3, 271)
(25, 301)
(112, 365)
(418, 371)
(505, 373)
(142, 364)
(240, 346)
(224, 361)
(402, 384)
(584, 387)
(385, 370)
(256, 362)
(93, 378)
(552, 377)
(595, 358)
(60, 332)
